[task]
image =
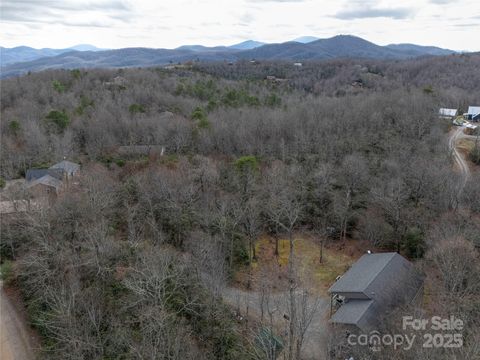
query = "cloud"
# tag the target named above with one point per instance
(66, 12)
(371, 12)
(247, 18)
(279, 1)
(442, 2)
(466, 25)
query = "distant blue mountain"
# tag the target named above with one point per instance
(305, 39)
(247, 45)
(417, 50)
(25, 53)
(201, 48)
(85, 47)
(341, 46)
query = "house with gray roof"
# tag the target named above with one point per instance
(47, 181)
(35, 174)
(68, 168)
(47, 187)
(375, 284)
(50, 182)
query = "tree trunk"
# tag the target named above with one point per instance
(321, 251)
(291, 280)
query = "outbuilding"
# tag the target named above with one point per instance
(445, 113)
(473, 113)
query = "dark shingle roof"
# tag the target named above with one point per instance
(67, 166)
(48, 181)
(375, 283)
(352, 311)
(34, 174)
(363, 272)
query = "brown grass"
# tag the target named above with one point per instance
(312, 274)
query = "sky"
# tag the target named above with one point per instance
(453, 24)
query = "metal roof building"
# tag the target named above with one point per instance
(444, 112)
(473, 113)
(374, 284)
(473, 110)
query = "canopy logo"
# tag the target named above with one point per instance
(436, 332)
(375, 340)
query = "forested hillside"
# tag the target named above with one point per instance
(131, 262)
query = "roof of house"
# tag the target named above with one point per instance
(47, 180)
(354, 312)
(363, 272)
(447, 112)
(67, 166)
(473, 110)
(373, 284)
(34, 174)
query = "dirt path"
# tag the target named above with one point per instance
(462, 164)
(15, 341)
(249, 303)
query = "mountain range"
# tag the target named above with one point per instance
(25, 53)
(19, 60)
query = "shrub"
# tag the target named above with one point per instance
(58, 86)
(2, 182)
(414, 244)
(428, 89)
(76, 73)
(204, 124)
(198, 114)
(120, 162)
(6, 272)
(84, 103)
(475, 154)
(14, 127)
(246, 163)
(136, 108)
(273, 100)
(59, 119)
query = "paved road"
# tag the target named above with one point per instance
(15, 341)
(458, 157)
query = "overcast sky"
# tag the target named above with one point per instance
(453, 24)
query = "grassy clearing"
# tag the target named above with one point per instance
(313, 274)
(466, 145)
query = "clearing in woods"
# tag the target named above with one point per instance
(313, 275)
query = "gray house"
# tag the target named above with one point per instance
(371, 287)
(46, 187)
(35, 174)
(68, 168)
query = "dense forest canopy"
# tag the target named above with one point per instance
(132, 261)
